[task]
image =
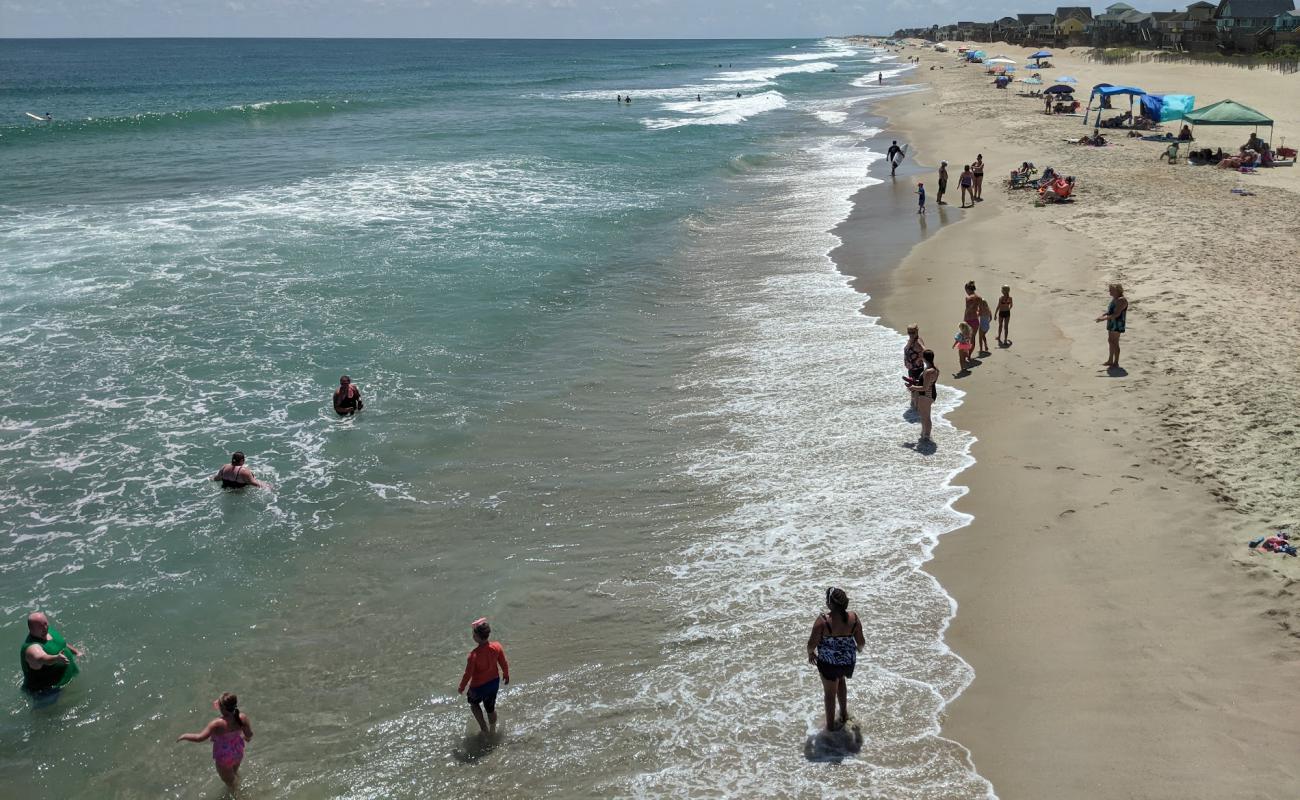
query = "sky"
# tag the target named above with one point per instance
(674, 19)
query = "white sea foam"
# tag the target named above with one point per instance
(816, 54)
(727, 111)
(872, 78)
(768, 74)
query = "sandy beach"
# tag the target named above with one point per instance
(1126, 643)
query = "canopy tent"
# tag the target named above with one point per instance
(1229, 112)
(1166, 107)
(1105, 90)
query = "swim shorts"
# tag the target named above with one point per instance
(485, 694)
(984, 323)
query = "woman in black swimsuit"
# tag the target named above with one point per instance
(834, 646)
(235, 475)
(925, 393)
(912, 360)
(347, 399)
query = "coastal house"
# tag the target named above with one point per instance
(1039, 29)
(1009, 29)
(1193, 30)
(1246, 26)
(1072, 23)
(1286, 30)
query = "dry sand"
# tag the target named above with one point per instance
(1125, 642)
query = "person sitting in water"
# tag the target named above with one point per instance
(235, 475)
(347, 398)
(49, 663)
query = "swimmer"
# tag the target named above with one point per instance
(49, 663)
(228, 733)
(482, 677)
(235, 475)
(347, 398)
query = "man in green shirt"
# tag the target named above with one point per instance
(48, 661)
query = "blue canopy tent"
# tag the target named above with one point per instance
(1105, 90)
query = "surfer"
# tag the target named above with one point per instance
(895, 154)
(833, 647)
(482, 676)
(347, 398)
(49, 663)
(235, 475)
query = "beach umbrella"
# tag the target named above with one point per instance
(1041, 54)
(1033, 81)
(1066, 79)
(1059, 89)
(1000, 60)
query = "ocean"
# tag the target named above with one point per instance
(618, 400)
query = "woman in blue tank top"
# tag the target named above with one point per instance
(1116, 319)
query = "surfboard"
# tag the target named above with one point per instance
(33, 116)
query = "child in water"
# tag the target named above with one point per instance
(964, 341)
(920, 197)
(228, 734)
(1004, 316)
(481, 675)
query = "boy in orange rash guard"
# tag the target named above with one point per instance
(481, 675)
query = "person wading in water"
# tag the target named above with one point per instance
(833, 647)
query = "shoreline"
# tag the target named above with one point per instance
(1092, 574)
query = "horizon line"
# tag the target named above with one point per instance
(483, 38)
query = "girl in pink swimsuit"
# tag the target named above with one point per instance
(228, 734)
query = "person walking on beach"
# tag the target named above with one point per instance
(920, 197)
(966, 181)
(880, 77)
(925, 392)
(977, 171)
(943, 183)
(482, 677)
(833, 647)
(235, 475)
(1004, 316)
(228, 733)
(971, 310)
(347, 398)
(913, 361)
(892, 155)
(48, 662)
(964, 341)
(1116, 317)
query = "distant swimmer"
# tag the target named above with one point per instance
(228, 733)
(49, 663)
(347, 398)
(737, 94)
(482, 675)
(618, 98)
(235, 475)
(627, 98)
(880, 77)
(698, 98)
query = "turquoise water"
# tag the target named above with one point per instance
(617, 400)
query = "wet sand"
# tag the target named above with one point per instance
(1125, 642)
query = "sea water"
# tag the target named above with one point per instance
(617, 399)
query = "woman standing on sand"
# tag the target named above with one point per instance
(833, 646)
(228, 733)
(925, 392)
(977, 170)
(1116, 318)
(966, 181)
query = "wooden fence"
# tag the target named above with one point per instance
(1284, 65)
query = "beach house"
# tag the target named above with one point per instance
(1072, 24)
(1039, 29)
(1246, 26)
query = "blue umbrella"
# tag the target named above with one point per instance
(1067, 79)
(1033, 81)
(1041, 54)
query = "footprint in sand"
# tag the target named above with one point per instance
(1067, 512)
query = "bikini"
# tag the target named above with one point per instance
(1004, 307)
(229, 483)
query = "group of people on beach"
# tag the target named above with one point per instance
(49, 663)
(971, 180)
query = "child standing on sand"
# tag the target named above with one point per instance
(920, 196)
(964, 341)
(481, 675)
(1004, 317)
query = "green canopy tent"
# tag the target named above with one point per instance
(1230, 112)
